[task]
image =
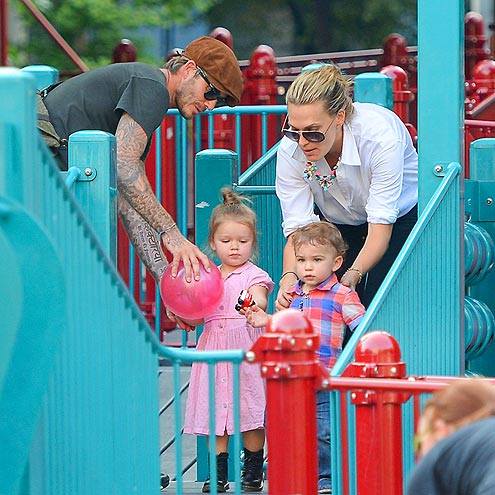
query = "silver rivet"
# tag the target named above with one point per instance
(438, 169)
(292, 341)
(324, 383)
(264, 369)
(353, 395)
(250, 356)
(309, 342)
(393, 370)
(87, 172)
(489, 201)
(276, 369)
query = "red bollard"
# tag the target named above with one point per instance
(125, 51)
(474, 42)
(260, 88)
(402, 96)
(378, 416)
(287, 354)
(224, 35)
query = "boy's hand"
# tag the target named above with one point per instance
(255, 316)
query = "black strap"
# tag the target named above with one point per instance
(46, 90)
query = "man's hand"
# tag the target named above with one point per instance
(185, 251)
(188, 326)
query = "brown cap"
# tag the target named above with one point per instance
(220, 65)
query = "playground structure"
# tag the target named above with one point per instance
(64, 227)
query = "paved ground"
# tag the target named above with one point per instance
(195, 489)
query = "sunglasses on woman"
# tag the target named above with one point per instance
(212, 93)
(311, 136)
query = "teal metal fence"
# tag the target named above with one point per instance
(97, 430)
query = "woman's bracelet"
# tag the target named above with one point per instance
(287, 273)
(360, 273)
(166, 230)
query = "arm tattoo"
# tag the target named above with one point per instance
(132, 182)
(144, 239)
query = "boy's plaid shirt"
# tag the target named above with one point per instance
(330, 307)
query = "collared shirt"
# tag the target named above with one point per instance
(329, 307)
(376, 182)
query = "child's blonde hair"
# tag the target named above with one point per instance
(326, 84)
(233, 208)
(320, 233)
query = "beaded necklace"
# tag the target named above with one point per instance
(325, 181)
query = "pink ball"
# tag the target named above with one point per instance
(193, 300)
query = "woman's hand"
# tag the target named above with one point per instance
(351, 278)
(284, 297)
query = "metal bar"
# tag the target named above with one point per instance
(256, 189)
(409, 384)
(211, 130)
(178, 436)
(264, 133)
(72, 175)
(170, 442)
(4, 36)
(48, 27)
(171, 401)
(243, 110)
(237, 426)
(212, 448)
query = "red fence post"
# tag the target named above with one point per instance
(260, 88)
(474, 42)
(125, 51)
(403, 96)
(287, 353)
(378, 416)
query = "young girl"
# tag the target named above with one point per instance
(232, 236)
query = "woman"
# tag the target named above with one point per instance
(357, 164)
(456, 442)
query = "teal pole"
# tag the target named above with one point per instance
(94, 154)
(440, 90)
(43, 74)
(373, 87)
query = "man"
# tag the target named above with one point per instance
(130, 101)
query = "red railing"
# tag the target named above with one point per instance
(378, 387)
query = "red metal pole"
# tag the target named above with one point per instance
(4, 36)
(378, 416)
(287, 353)
(47, 26)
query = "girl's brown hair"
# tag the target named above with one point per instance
(462, 403)
(233, 208)
(320, 233)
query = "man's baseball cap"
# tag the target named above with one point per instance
(220, 65)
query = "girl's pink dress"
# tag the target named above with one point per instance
(227, 329)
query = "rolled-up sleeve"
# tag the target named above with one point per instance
(386, 183)
(295, 196)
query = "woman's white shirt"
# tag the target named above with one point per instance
(376, 182)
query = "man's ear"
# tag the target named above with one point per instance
(340, 119)
(337, 263)
(188, 69)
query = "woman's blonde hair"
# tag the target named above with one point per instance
(233, 208)
(462, 403)
(326, 84)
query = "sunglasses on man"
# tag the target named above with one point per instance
(311, 136)
(212, 93)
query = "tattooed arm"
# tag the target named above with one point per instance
(144, 238)
(135, 188)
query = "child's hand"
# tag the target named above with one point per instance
(256, 317)
(184, 325)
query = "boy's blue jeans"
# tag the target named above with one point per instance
(323, 432)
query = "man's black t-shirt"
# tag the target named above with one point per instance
(461, 464)
(96, 99)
